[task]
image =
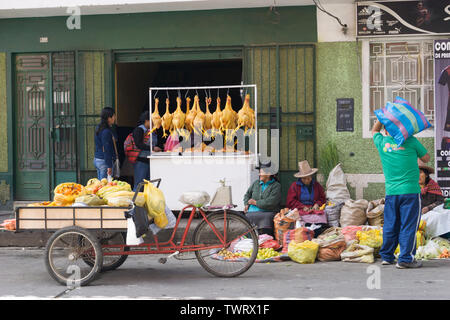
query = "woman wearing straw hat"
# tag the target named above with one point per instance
(430, 192)
(307, 195)
(263, 199)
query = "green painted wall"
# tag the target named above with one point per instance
(3, 116)
(338, 76)
(162, 30)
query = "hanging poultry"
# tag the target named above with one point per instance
(190, 116)
(246, 116)
(178, 119)
(167, 119)
(215, 121)
(199, 121)
(156, 118)
(228, 120)
(208, 117)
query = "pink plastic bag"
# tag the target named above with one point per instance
(349, 232)
(171, 143)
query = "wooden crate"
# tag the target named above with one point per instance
(54, 218)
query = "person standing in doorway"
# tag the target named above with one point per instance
(402, 209)
(105, 154)
(141, 137)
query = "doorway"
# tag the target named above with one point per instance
(133, 80)
(45, 126)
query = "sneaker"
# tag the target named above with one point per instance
(409, 265)
(387, 263)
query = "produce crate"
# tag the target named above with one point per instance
(54, 218)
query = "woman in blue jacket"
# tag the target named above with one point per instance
(105, 154)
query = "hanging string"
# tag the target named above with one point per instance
(187, 91)
(155, 94)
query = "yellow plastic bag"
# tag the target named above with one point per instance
(371, 238)
(303, 252)
(155, 204)
(420, 240)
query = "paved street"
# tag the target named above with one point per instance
(24, 275)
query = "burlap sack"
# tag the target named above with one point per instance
(375, 212)
(353, 213)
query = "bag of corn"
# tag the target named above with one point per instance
(155, 204)
(303, 252)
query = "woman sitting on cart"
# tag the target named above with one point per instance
(262, 200)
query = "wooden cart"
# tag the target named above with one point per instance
(88, 240)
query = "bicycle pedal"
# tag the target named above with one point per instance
(164, 260)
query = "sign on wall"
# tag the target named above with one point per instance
(392, 18)
(442, 113)
(345, 115)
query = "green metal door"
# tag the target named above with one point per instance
(32, 119)
(93, 85)
(45, 148)
(285, 77)
(63, 131)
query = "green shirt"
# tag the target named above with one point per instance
(400, 167)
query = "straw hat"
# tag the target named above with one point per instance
(305, 170)
(423, 165)
(265, 168)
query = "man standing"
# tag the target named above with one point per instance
(402, 206)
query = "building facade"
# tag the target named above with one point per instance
(57, 72)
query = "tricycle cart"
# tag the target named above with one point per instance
(88, 240)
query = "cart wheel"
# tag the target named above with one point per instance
(236, 226)
(109, 262)
(65, 254)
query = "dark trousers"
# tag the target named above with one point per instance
(401, 221)
(141, 172)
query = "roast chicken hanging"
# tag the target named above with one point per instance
(167, 119)
(190, 116)
(228, 120)
(216, 126)
(246, 116)
(199, 121)
(208, 115)
(156, 118)
(178, 119)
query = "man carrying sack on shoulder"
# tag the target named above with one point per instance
(402, 209)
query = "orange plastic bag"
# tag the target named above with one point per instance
(282, 224)
(66, 193)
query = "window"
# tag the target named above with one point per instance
(398, 68)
